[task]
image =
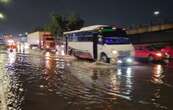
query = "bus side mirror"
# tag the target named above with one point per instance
(100, 41)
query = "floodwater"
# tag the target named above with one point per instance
(43, 81)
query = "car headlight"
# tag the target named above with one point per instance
(114, 52)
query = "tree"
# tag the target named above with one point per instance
(59, 24)
(74, 22)
(38, 28)
(56, 26)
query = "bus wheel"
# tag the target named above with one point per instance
(104, 58)
(70, 52)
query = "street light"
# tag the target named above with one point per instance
(5, 1)
(156, 13)
(2, 16)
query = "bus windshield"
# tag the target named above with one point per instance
(116, 40)
(117, 32)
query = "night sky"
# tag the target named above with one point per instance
(23, 15)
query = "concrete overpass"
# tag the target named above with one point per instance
(151, 34)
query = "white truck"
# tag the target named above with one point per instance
(43, 40)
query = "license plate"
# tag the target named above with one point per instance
(124, 53)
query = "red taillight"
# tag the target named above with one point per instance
(47, 46)
(159, 54)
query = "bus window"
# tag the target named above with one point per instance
(85, 39)
(81, 36)
(117, 40)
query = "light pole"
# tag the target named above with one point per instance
(156, 17)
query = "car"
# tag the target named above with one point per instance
(150, 53)
(168, 50)
(60, 49)
(33, 47)
(11, 44)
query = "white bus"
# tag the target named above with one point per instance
(100, 42)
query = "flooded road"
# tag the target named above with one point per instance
(43, 81)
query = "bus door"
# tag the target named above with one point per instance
(95, 48)
(66, 45)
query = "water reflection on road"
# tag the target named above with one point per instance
(44, 81)
(157, 74)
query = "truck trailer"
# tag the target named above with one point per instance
(42, 40)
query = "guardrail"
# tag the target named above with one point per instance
(151, 28)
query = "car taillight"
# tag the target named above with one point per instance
(159, 54)
(47, 46)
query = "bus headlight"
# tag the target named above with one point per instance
(119, 61)
(129, 60)
(114, 52)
